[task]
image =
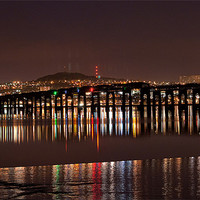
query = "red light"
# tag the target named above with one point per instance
(91, 89)
(97, 73)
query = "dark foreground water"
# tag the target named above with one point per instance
(144, 158)
(169, 178)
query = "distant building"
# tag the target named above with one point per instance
(189, 79)
(45, 88)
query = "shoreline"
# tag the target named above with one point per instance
(46, 165)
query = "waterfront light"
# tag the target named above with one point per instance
(55, 92)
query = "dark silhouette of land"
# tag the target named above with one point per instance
(70, 76)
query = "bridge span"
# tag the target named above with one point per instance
(80, 100)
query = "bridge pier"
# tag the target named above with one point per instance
(79, 109)
(130, 112)
(173, 108)
(98, 106)
(167, 109)
(154, 110)
(14, 106)
(160, 106)
(114, 109)
(92, 105)
(61, 106)
(40, 115)
(186, 110)
(141, 108)
(66, 107)
(107, 108)
(55, 107)
(8, 114)
(45, 106)
(35, 107)
(72, 109)
(148, 111)
(85, 108)
(148, 105)
(50, 107)
(26, 108)
(194, 111)
(124, 109)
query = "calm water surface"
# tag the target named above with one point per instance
(144, 158)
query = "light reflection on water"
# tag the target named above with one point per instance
(19, 131)
(169, 178)
(56, 141)
(42, 142)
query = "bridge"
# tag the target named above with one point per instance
(80, 100)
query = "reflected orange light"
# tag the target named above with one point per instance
(134, 127)
(98, 134)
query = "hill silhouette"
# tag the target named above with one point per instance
(67, 76)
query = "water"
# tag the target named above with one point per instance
(144, 158)
(169, 178)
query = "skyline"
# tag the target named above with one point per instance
(125, 39)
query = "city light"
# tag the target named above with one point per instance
(55, 93)
(17, 87)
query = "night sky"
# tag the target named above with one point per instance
(135, 40)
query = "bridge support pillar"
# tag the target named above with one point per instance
(186, 110)
(141, 107)
(194, 110)
(72, 108)
(14, 106)
(66, 107)
(154, 110)
(107, 108)
(114, 110)
(92, 104)
(148, 111)
(85, 108)
(56, 107)
(8, 113)
(50, 107)
(98, 106)
(61, 106)
(79, 109)
(25, 108)
(173, 108)
(45, 107)
(130, 112)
